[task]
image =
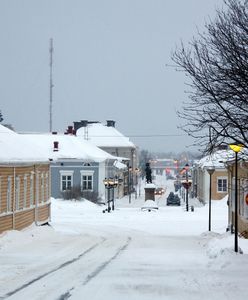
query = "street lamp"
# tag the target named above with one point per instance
(187, 186)
(236, 148)
(110, 184)
(210, 171)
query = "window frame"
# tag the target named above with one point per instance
(66, 173)
(87, 173)
(222, 179)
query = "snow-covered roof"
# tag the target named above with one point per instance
(216, 159)
(15, 148)
(69, 147)
(104, 136)
(119, 165)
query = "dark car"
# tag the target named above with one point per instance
(173, 199)
(159, 191)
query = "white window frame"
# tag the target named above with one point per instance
(31, 190)
(222, 178)
(46, 186)
(25, 185)
(87, 173)
(0, 192)
(9, 193)
(42, 186)
(65, 173)
(17, 192)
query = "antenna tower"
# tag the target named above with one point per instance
(51, 85)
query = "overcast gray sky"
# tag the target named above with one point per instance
(110, 61)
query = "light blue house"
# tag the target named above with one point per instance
(75, 163)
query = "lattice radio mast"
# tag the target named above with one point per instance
(51, 86)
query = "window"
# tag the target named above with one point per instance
(87, 180)
(25, 191)
(9, 190)
(66, 180)
(0, 192)
(17, 193)
(46, 187)
(222, 184)
(42, 188)
(31, 190)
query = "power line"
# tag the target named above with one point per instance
(141, 135)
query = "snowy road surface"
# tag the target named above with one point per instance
(126, 254)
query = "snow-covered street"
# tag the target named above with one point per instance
(125, 254)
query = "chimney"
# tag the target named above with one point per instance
(82, 123)
(110, 123)
(55, 146)
(70, 130)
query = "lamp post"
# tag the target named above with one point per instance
(210, 171)
(110, 184)
(187, 187)
(236, 148)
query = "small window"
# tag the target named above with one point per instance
(222, 185)
(31, 190)
(9, 193)
(25, 191)
(42, 188)
(66, 180)
(17, 193)
(87, 164)
(0, 192)
(87, 180)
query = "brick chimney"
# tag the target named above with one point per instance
(110, 123)
(55, 146)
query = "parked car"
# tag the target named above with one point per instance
(173, 199)
(159, 191)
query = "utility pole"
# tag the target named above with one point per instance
(51, 85)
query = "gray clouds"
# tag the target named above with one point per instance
(109, 63)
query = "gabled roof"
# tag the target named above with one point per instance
(104, 136)
(216, 159)
(69, 147)
(15, 148)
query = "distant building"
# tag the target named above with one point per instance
(201, 177)
(109, 139)
(75, 164)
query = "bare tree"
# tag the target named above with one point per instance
(1, 116)
(216, 61)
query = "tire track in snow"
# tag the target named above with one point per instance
(53, 270)
(99, 269)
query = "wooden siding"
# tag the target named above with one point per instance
(24, 219)
(37, 195)
(242, 224)
(44, 213)
(6, 223)
(215, 194)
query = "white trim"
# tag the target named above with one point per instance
(222, 178)
(87, 173)
(0, 192)
(66, 173)
(25, 188)
(9, 194)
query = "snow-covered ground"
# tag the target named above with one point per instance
(126, 254)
